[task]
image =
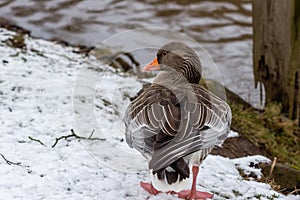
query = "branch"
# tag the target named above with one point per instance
(272, 167)
(10, 162)
(90, 137)
(62, 137)
(295, 191)
(73, 134)
(36, 140)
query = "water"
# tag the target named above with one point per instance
(224, 28)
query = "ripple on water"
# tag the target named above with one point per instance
(222, 27)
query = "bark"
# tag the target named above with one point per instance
(276, 26)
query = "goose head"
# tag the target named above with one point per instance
(176, 61)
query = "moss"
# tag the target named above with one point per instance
(261, 196)
(16, 41)
(270, 130)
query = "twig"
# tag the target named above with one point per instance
(36, 140)
(73, 134)
(295, 191)
(272, 167)
(10, 162)
(62, 137)
(92, 133)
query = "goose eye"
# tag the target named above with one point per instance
(164, 53)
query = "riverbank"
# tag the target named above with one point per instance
(42, 159)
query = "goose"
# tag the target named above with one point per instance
(176, 122)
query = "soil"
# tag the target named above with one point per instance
(238, 147)
(283, 178)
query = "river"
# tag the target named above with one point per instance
(223, 28)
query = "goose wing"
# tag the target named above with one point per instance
(166, 124)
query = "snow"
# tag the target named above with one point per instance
(249, 165)
(45, 91)
(232, 134)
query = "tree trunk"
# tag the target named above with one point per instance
(276, 25)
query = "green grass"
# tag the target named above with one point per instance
(270, 130)
(16, 41)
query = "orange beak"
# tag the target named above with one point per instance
(154, 65)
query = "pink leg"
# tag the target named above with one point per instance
(193, 193)
(149, 188)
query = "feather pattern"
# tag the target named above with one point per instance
(176, 122)
(195, 124)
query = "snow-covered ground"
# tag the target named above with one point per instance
(45, 91)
